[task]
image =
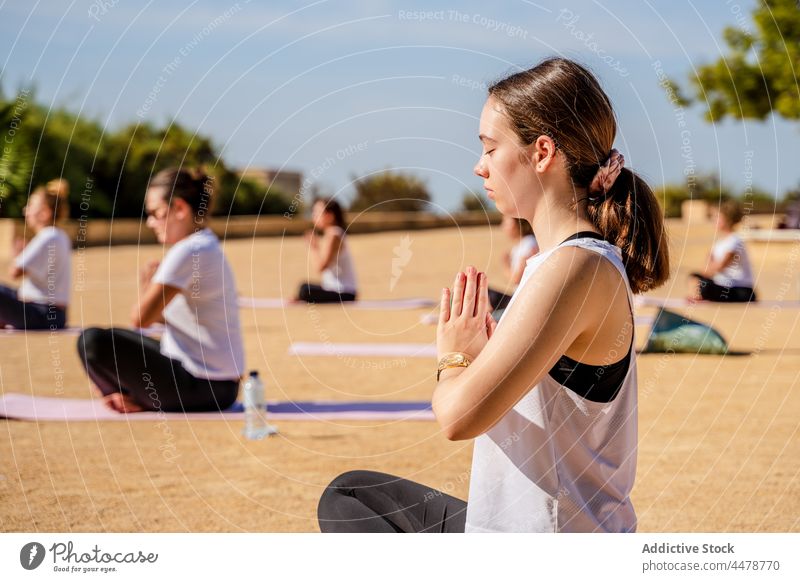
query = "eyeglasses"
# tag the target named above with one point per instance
(157, 214)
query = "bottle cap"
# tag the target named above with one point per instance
(254, 373)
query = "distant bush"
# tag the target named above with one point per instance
(390, 191)
(108, 171)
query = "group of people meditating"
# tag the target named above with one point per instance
(193, 291)
(548, 164)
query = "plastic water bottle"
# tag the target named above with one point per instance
(255, 423)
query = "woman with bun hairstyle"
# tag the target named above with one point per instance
(330, 255)
(728, 276)
(199, 361)
(549, 394)
(44, 265)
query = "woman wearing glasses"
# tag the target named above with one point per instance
(199, 361)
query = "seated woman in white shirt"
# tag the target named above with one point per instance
(330, 255)
(199, 361)
(520, 232)
(43, 265)
(728, 276)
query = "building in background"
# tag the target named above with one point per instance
(288, 182)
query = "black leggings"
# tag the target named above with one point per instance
(370, 502)
(124, 360)
(28, 315)
(311, 293)
(498, 300)
(711, 291)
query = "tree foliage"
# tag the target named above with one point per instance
(390, 191)
(758, 76)
(108, 171)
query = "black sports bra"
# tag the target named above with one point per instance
(595, 383)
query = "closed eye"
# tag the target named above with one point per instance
(488, 152)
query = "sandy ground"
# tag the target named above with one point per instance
(719, 436)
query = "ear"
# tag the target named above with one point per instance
(181, 208)
(543, 154)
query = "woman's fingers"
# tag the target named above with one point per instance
(444, 308)
(470, 291)
(491, 324)
(483, 295)
(458, 295)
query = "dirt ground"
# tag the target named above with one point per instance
(719, 437)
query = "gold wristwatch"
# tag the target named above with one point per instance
(453, 360)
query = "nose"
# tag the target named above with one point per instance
(480, 169)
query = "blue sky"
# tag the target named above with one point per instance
(336, 89)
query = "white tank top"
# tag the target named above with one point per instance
(558, 462)
(341, 275)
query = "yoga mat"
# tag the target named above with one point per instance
(410, 350)
(769, 235)
(41, 408)
(678, 302)
(433, 319)
(386, 304)
(10, 331)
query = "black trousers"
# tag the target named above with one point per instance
(711, 291)
(124, 360)
(311, 293)
(27, 315)
(371, 502)
(498, 300)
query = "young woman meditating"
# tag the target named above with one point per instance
(549, 393)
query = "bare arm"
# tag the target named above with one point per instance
(151, 306)
(553, 309)
(715, 267)
(325, 254)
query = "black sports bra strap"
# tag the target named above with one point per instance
(583, 234)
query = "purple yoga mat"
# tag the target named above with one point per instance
(387, 304)
(43, 408)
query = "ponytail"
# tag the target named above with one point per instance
(195, 187)
(630, 217)
(56, 195)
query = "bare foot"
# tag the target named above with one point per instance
(121, 403)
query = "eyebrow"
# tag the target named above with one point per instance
(484, 137)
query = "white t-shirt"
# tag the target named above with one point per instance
(46, 261)
(202, 322)
(558, 462)
(521, 251)
(738, 272)
(341, 275)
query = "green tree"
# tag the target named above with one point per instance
(759, 73)
(474, 201)
(390, 191)
(16, 155)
